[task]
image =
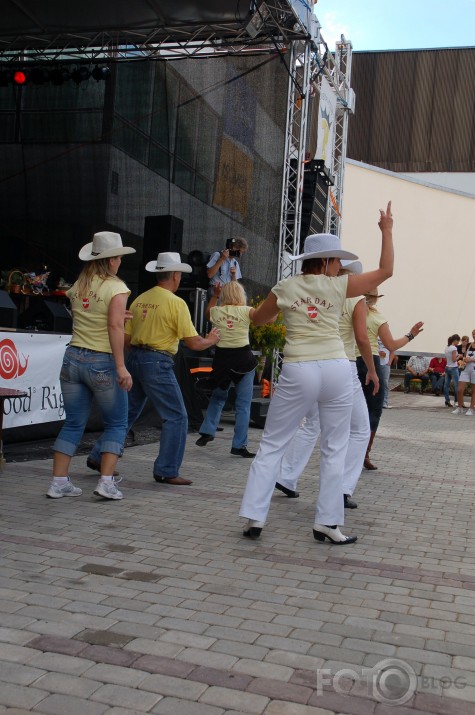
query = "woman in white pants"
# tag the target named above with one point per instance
(299, 451)
(467, 376)
(315, 370)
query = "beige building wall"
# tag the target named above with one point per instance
(434, 240)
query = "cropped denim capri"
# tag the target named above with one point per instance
(87, 375)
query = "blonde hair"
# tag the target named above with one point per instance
(371, 301)
(232, 293)
(100, 268)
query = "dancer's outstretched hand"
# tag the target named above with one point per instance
(385, 218)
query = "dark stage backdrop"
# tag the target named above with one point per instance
(199, 140)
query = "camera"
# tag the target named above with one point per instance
(234, 252)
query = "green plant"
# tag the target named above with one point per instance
(269, 337)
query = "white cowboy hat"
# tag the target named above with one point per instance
(354, 267)
(105, 244)
(323, 245)
(168, 261)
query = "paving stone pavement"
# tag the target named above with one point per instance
(157, 604)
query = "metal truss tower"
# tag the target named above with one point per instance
(339, 69)
(294, 155)
(308, 64)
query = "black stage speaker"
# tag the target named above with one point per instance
(8, 311)
(259, 410)
(161, 234)
(46, 315)
(316, 183)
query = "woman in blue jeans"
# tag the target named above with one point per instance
(451, 369)
(93, 365)
(234, 363)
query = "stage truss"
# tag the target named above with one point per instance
(309, 63)
(260, 26)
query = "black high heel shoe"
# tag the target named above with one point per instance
(291, 493)
(333, 534)
(254, 529)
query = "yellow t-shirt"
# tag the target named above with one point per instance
(90, 313)
(233, 323)
(312, 306)
(347, 333)
(160, 320)
(374, 320)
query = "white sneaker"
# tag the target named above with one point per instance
(56, 491)
(107, 488)
(468, 413)
(458, 411)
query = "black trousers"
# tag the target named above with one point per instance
(374, 402)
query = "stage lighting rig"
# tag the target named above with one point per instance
(59, 76)
(101, 72)
(257, 21)
(20, 77)
(80, 74)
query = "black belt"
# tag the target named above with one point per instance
(153, 350)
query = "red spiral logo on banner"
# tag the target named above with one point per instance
(10, 363)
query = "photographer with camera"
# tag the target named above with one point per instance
(223, 266)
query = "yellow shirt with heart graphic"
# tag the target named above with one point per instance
(233, 323)
(311, 306)
(90, 313)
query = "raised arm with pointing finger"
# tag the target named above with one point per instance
(365, 282)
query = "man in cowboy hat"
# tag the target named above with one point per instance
(160, 319)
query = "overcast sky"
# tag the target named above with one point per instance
(398, 24)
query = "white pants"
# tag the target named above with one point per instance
(301, 447)
(327, 385)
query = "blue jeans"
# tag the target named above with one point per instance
(437, 380)
(153, 378)
(386, 373)
(242, 409)
(87, 374)
(451, 373)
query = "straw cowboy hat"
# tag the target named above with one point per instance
(323, 245)
(168, 261)
(354, 267)
(105, 244)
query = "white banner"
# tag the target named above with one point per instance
(31, 362)
(326, 124)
